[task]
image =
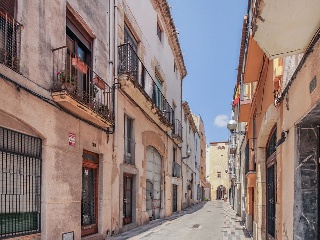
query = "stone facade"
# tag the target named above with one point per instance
(219, 170)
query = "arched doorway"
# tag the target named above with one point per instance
(271, 184)
(221, 191)
(153, 183)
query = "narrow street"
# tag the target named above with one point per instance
(208, 220)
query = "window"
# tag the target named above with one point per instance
(218, 174)
(20, 187)
(129, 38)
(174, 66)
(129, 143)
(9, 35)
(157, 92)
(130, 61)
(159, 32)
(79, 59)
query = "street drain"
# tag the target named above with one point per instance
(208, 211)
(196, 226)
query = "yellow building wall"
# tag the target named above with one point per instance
(218, 153)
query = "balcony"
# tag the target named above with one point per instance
(10, 32)
(254, 62)
(137, 83)
(177, 132)
(78, 89)
(232, 144)
(247, 93)
(176, 170)
(286, 27)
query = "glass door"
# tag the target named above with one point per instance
(89, 200)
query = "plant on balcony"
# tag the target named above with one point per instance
(68, 81)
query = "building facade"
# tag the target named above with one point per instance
(278, 103)
(90, 120)
(190, 159)
(200, 128)
(219, 170)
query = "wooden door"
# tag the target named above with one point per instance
(127, 198)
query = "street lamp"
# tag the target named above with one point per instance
(232, 125)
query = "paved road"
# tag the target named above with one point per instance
(210, 220)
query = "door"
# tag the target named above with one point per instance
(153, 184)
(271, 201)
(149, 198)
(175, 197)
(127, 198)
(89, 200)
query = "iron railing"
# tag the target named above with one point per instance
(130, 64)
(176, 169)
(72, 75)
(177, 129)
(129, 151)
(20, 183)
(10, 33)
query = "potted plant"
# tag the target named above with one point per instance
(68, 81)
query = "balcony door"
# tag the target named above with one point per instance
(89, 200)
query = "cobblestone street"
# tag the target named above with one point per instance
(208, 220)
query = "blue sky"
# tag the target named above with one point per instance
(209, 35)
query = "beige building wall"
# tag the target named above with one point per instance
(218, 155)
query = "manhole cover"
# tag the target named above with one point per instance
(196, 226)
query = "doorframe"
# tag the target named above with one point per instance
(132, 170)
(93, 228)
(131, 176)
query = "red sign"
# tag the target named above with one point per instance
(72, 139)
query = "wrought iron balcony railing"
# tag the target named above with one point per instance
(10, 35)
(72, 75)
(177, 129)
(130, 64)
(176, 171)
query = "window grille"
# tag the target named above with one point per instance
(9, 40)
(20, 183)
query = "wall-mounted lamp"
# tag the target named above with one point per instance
(283, 138)
(232, 126)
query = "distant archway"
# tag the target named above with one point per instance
(221, 191)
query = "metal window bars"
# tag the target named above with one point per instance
(81, 82)
(10, 34)
(20, 183)
(131, 64)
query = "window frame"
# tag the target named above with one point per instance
(129, 143)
